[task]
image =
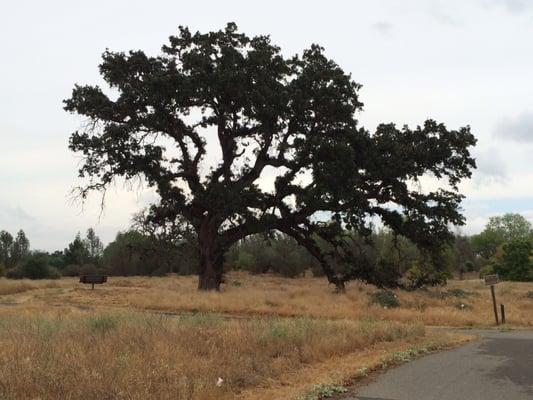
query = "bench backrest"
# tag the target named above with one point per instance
(93, 278)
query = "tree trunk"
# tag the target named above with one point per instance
(211, 258)
(210, 275)
(339, 286)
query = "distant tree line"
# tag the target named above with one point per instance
(505, 247)
(144, 249)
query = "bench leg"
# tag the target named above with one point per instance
(93, 286)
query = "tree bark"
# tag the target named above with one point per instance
(211, 258)
(340, 286)
(210, 276)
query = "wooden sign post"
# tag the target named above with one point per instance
(491, 280)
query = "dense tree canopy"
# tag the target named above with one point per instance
(6, 246)
(510, 226)
(501, 229)
(515, 261)
(13, 250)
(290, 155)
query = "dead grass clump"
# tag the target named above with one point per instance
(135, 356)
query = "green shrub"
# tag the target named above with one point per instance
(2, 269)
(486, 270)
(14, 273)
(161, 271)
(385, 298)
(515, 263)
(36, 266)
(53, 273)
(469, 266)
(324, 391)
(90, 269)
(288, 258)
(245, 261)
(316, 268)
(529, 294)
(71, 270)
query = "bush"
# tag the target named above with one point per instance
(71, 270)
(515, 263)
(486, 270)
(2, 269)
(90, 269)
(288, 258)
(316, 269)
(245, 261)
(36, 266)
(53, 273)
(161, 271)
(14, 273)
(289, 265)
(469, 266)
(385, 298)
(85, 269)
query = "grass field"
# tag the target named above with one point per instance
(50, 355)
(266, 337)
(249, 295)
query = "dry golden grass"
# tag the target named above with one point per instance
(124, 355)
(8, 286)
(270, 295)
(61, 339)
(348, 369)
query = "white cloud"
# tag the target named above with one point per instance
(491, 168)
(518, 128)
(445, 19)
(383, 27)
(516, 7)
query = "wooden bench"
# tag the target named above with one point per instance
(93, 279)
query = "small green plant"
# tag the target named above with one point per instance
(324, 391)
(385, 298)
(403, 356)
(276, 330)
(102, 323)
(529, 294)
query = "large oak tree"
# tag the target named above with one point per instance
(238, 139)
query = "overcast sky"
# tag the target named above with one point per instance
(460, 62)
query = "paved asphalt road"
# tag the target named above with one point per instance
(498, 367)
